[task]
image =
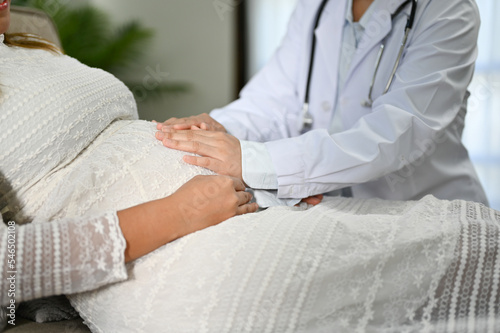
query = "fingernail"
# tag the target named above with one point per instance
(159, 135)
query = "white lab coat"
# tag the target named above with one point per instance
(408, 144)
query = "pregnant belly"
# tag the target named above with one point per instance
(123, 167)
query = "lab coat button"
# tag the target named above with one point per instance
(326, 106)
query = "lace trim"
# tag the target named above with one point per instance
(65, 257)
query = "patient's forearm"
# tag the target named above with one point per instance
(200, 203)
(148, 226)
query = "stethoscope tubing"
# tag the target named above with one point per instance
(306, 115)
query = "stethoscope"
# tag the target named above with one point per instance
(306, 115)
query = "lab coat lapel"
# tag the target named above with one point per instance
(329, 37)
(377, 28)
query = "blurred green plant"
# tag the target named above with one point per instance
(88, 35)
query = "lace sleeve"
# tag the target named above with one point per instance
(62, 257)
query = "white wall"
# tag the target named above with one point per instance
(267, 23)
(194, 43)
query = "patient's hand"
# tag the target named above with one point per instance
(207, 200)
(202, 121)
(200, 203)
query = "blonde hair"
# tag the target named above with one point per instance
(30, 41)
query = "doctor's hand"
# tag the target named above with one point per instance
(313, 200)
(202, 121)
(219, 152)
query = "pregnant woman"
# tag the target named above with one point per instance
(68, 139)
(71, 147)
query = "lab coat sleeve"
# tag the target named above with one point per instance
(257, 166)
(269, 104)
(425, 99)
(258, 173)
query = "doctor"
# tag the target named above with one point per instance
(341, 109)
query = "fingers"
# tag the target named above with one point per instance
(202, 121)
(201, 137)
(216, 166)
(184, 123)
(195, 147)
(171, 121)
(313, 200)
(232, 183)
(194, 141)
(247, 208)
(244, 207)
(174, 133)
(235, 188)
(183, 126)
(204, 162)
(243, 197)
(220, 152)
(193, 134)
(238, 184)
(178, 123)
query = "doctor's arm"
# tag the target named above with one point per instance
(425, 99)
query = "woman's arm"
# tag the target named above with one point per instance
(80, 254)
(200, 203)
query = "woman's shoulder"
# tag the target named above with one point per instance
(61, 104)
(28, 72)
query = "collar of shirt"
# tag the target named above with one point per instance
(360, 26)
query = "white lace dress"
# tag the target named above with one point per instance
(51, 108)
(73, 152)
(69, 151)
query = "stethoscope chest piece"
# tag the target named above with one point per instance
(306, 120)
